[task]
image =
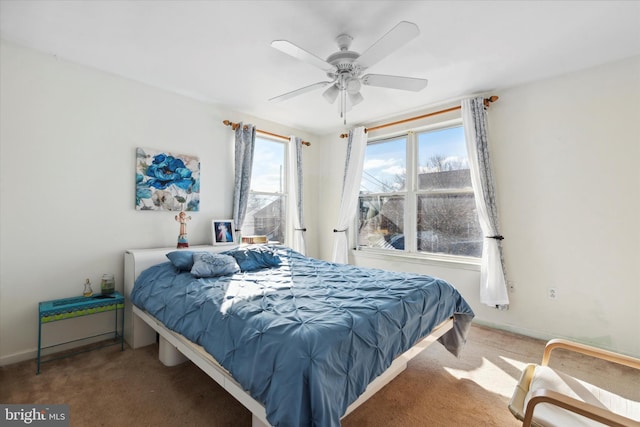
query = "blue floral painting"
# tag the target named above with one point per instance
(166, 181)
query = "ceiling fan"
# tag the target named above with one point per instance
(344, 68)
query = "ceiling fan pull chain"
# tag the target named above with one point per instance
(343, 107)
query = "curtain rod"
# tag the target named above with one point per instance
(487, 102)
(234, 126)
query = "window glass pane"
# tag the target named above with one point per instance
(381, 222)
(266, 214)
(448, 223)
(385, 167)
(265, 217)
(267, 174)
(442, 160)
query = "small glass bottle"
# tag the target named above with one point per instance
(107, 285)
(87, 289)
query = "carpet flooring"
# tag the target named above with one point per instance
(107, 387)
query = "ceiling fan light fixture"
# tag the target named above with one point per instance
(355, 98)
(353, 86)
(331, 94)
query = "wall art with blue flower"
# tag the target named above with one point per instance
(166, 181)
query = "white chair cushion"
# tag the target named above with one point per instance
(551, 415)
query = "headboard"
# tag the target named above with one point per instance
(136, 332)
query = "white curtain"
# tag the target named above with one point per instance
(354, 163)
(493, 288)
(297, 241)
(245, 140)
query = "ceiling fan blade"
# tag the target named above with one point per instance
(301, 54)
(297, 92)
(394, 82)
(396, 37)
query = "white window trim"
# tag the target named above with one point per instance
(422, 258)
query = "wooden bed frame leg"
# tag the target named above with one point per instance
(136, 332)
(257, 422)
(169, 355)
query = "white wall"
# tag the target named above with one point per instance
(565, 153)
(68, 139)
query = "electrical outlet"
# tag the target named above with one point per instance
(552, 293)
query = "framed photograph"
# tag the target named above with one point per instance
(223, 232)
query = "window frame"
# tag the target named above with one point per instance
(285, 183)
(411, 194)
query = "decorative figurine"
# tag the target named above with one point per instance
(182, 218)
(87, 289)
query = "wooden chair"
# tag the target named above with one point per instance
(568, 400)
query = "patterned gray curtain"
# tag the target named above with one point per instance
(493, 288)
(297, 242)
(245, 143)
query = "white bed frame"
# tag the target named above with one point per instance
(141, 329)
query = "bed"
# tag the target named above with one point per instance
(298, 341)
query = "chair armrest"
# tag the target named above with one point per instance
(516, 404)
(570, 404)
(589, 351)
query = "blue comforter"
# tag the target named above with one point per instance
(305, 338)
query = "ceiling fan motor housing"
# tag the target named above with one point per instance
(344, 61)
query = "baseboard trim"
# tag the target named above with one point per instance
(547, 336)
(33, 353)
(18, 357)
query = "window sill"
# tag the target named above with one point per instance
(457, 262)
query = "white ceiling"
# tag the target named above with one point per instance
(219, 51)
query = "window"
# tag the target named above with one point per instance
(266, 212)
(433, 211)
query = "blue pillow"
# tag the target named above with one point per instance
(255, 257)
(213, 265)
(182, 260)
